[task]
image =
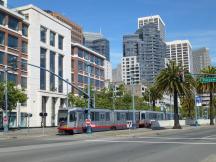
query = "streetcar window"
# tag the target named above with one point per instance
(96, 116)
(62, 116)
(81, 116)
(72, 116)
(102, 116)
(143, 116)
(107, 116)
(118, 115)
(92, 116)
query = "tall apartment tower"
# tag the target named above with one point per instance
(149, 48)
(156, 19)
(181, 52)
(201, 59)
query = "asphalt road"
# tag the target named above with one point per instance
(196, 145)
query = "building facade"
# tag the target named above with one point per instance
(117, 74)
(130, 70)
(81, 56)
(98, 43)
(181, 52)
(14, 53)
(76, 30)
(156, 19)
(149, 48)
(49, 47)
(201, 59)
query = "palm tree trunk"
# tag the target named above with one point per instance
(176, 116)
(211, 109)
(153, 105)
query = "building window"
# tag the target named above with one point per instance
(60, 73)
(60, 42)
(52, 69)
(12, 78)
(2, 18)
(12, 41)
(43, 72)
(24, 82)
(12, 61)
(43, 33)
(25, 30)
(24, 47)
(52, 38)
(80, 53)
(80, 78)
(2, 38)
(80, 65)
(1, 57)
(24, 65)
(13, 23)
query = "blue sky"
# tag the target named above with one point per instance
(185, 19)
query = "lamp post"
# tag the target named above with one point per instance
(89, 82)
(113, 104)
(5, 114)
(133, 104)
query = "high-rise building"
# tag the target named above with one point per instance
(149, 48)
(130, 70)
(97, 42)
(201, 59)
(117, 74)
(181, 52)
(156, 19)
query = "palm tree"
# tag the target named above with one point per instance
(152, 95)
(170, 80)
(209, 87)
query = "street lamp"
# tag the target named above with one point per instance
(5, 114)
(133, 104)
(113, 104)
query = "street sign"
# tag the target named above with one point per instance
(129, 124)
(88, 122)
(207, 80)
(198, 100)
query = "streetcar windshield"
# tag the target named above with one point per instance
(62, 116)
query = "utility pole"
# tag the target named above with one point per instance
(89, 96)
(67, 94)
(5, 114)
(113, 104)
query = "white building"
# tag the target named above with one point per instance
(49, 47)
(117, 74)
(156, 19)
(130, 68)
(181, 52)
(107, 72)
(201, 59)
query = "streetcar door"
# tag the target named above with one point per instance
(72, 119)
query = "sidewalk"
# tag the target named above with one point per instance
(52, 132)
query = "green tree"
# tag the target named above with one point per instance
(77, 101)
(209, 88)
(170, 81)
(152, 95)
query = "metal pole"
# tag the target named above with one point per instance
(113, 86)
(6, 100)
(133, 104)
(67, 95)
(89, 82)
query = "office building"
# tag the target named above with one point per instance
(156, 19)
(49, 47)
(130, 70)
(201, 59)
(81, 56)
(149, 48)
(117, 74)
(14, 53)
(76, 30)
(181, 52)
(98, 43)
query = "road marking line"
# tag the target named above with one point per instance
(153, 142)
(209, 137)
(175, 138)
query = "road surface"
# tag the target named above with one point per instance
(195, 145)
